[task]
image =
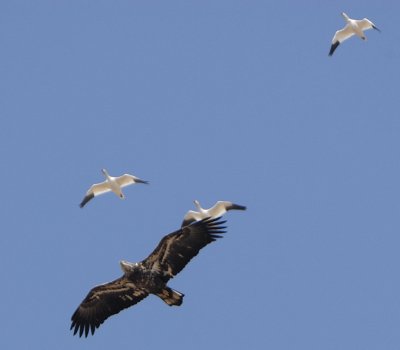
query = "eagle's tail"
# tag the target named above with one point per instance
(171, 297)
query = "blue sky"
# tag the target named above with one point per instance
(208, 100)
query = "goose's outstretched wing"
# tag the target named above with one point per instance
(95, 190)
(221, 207)
(339, 37)
(366, 24)
(191, 216)
(126, 180)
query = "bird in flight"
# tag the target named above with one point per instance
(150, 276)
(114, 184)
(219, 209)
(353, 27)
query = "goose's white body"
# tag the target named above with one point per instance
(112, 184)
(353, 27)
(219, 209)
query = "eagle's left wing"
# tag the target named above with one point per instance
(176, 249)
(104, 301)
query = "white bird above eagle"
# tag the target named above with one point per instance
(150, 276)
(353, 27)
(112, 184)
(218, 209)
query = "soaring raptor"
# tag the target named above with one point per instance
(149, 276)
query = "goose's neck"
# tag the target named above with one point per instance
(106, 174)
(198, 206)
(346, 18)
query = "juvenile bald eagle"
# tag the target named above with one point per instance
(149, 276)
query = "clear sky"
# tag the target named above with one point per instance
(208, 100)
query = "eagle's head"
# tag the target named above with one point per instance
(127, 266)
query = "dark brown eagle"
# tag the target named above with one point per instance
(149, 276)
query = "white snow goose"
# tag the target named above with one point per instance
(219, 209)
(114, 184)
(353, 27)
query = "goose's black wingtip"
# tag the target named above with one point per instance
(376, 28)
(86, 199)
(140, 181)
(238, 207)
(333, 48)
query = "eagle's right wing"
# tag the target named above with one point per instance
(104, 301)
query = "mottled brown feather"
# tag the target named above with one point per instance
(104, 301)
(176, 249)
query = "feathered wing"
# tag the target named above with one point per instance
(340, 36)
(364, 24)
(104, 301)
(176, 249)
(343, 34)
(126, 180)
(86, 199)
(333, 48)
(218, 209)
(191, 216)
(95, 190)
(221, 207)
(234, 206)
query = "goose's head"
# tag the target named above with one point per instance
(104, 171)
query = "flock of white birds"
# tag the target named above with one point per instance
(115, 184)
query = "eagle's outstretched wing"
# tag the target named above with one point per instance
(176, 249)
(102, 302)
